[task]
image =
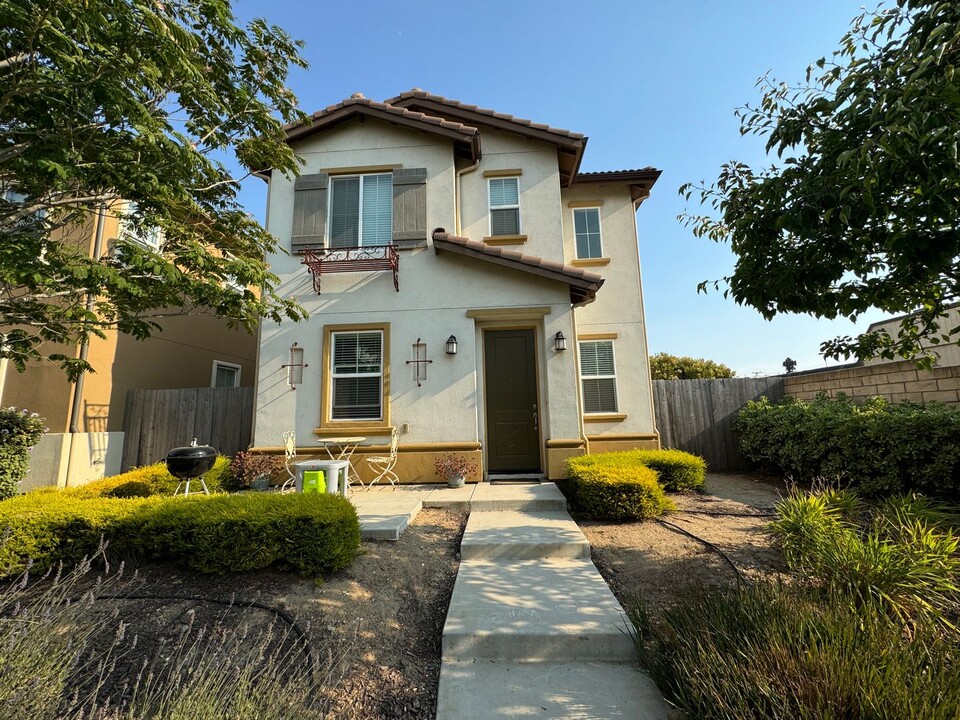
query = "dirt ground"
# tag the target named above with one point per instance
(380, 621)
(659, 563)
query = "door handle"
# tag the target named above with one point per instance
(535, 425)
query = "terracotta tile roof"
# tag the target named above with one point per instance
(358, 104)
(418, 94)
(583, 284)
(639, 181)
(646, 172)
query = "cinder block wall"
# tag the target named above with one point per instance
(896, 381)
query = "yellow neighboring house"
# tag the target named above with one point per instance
(86, 436)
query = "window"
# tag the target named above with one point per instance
(356, 375)
(361, 210)
(504, 206)
(586, 229)
(598, 376)
(225, 375)
(150, 237)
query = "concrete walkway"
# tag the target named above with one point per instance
(532, 630)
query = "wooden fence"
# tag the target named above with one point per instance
(158, 420)
(696, 415)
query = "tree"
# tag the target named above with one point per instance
(861, 210)
(149, 102)
(671, 367)
(789, 365)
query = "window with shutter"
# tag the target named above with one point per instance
(586, 228)
(598, 376)
(356, 375)
(361, 210)
(504, 206)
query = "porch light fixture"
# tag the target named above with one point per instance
(559, 342)
(452, 345)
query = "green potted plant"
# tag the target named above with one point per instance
(454, 469)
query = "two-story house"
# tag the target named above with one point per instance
(466, 284)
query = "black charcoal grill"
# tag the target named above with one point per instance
(189, 463)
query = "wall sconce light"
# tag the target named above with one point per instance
(559, 342)
(295, 367)
(452, 345)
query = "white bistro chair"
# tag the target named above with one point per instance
(289, 460)
(383, 465)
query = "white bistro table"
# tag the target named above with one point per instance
(346, 446)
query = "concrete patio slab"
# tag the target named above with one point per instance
(383, 516)
(546, 610)
(544, 496)
(559, 691)
(513, 535)
(457, 499)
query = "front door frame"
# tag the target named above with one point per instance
(536, 330)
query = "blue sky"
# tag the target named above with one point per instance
(651, 83)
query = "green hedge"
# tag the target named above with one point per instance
(613, 486)
(150, 480)
(676, 470)
(316, 534)
(878, 447)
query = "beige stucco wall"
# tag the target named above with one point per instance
(617, 309)
(436, 294)
(539, 186)
(94, 455)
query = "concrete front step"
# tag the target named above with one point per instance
(514, 535)
(547, 610)
(545, 496)
(485, 690)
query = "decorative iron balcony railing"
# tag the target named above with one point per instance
(372, 258)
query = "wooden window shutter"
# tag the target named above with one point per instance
(309, 210)
(410, 207)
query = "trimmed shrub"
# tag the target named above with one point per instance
(610, 488)
(245, 467)
(19, 432)
(317, 534)
(878, 447)
(678, 471)
(758, 652)
(215, 534)
(150, 480)
(41, 529)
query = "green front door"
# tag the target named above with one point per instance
(510, 385)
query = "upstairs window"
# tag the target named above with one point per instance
(586, 229)
(150, 236)
(225, 375)
(356, 376)
(598, 376)
(361, 210)
(504, 206)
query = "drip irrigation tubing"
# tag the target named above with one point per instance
(726, 514)
(242, 604)
(740, 576)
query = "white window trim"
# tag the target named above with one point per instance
(217, 364)
(328, 240)
(576, 247)
(616, 385)
(334, 375)
(491, 208)
(153, 241)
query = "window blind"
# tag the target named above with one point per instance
(345, 212)
(598, 377)
(357, 376)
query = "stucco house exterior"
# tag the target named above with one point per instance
(466, 284)
(86, 419)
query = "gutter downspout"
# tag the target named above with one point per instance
(84, 350)
(456, 194)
